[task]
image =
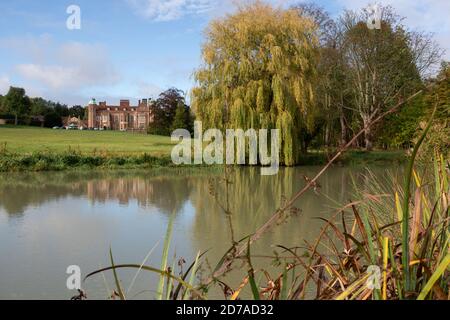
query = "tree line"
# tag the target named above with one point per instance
(169, 109)
(317, 79)
(17, 106)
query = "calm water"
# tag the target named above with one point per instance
(49, 221)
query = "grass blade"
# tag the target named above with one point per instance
(116, 278)
(436, 275)
(163, 273)
(405, 207)
(385, 262)
(193, 272)
(165, 254)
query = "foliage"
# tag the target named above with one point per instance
(399, 129)
(77, 111)
(364, 72)
(164, 111)
(439, 95)
(17, 103)
(52, 119)
(258, 72)
(183, 118)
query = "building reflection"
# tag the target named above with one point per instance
(168, 193)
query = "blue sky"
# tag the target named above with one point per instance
(133, 48)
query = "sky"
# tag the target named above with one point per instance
(134, 49)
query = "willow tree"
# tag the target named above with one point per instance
(257, 72)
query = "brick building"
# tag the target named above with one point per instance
(121, 117)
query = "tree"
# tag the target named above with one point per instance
(61, 109)
(1, 104)
(39, 106)
(164, 110)
(258, 70)
(437, 140)
(77, 111)
(17, 103)
(182, 119)
(383, 65)
(52, 119)
(331, 94)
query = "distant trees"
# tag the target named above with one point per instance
(77, 111)
(52, 112)
(170, 109)
(381, 65)
(438, 137)
(16, 102)
(363, 72)
(18, 106)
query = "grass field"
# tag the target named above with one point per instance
(24, 139)
(37, 149)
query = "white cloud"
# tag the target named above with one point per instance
(71, 66)
(58, 70)
(56, 77)
(424, 15)
(4, 84)
(167, 10)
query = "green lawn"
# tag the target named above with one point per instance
(38, 149)
(24, 139)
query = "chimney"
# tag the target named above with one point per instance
(124, 103)
(144, 102)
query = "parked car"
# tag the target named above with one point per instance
(72, 127)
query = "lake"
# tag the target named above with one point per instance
(51, 220)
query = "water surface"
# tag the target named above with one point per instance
(49, 221)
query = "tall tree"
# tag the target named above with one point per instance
(17, 103)
(383, 64)
(164, 110)
(258, 69)
(331, 92)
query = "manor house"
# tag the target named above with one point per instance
(122, 117)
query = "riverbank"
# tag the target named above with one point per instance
(39, 149)
(75, 160)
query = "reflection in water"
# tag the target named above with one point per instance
(58, 219)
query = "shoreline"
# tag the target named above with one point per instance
(74, 161)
